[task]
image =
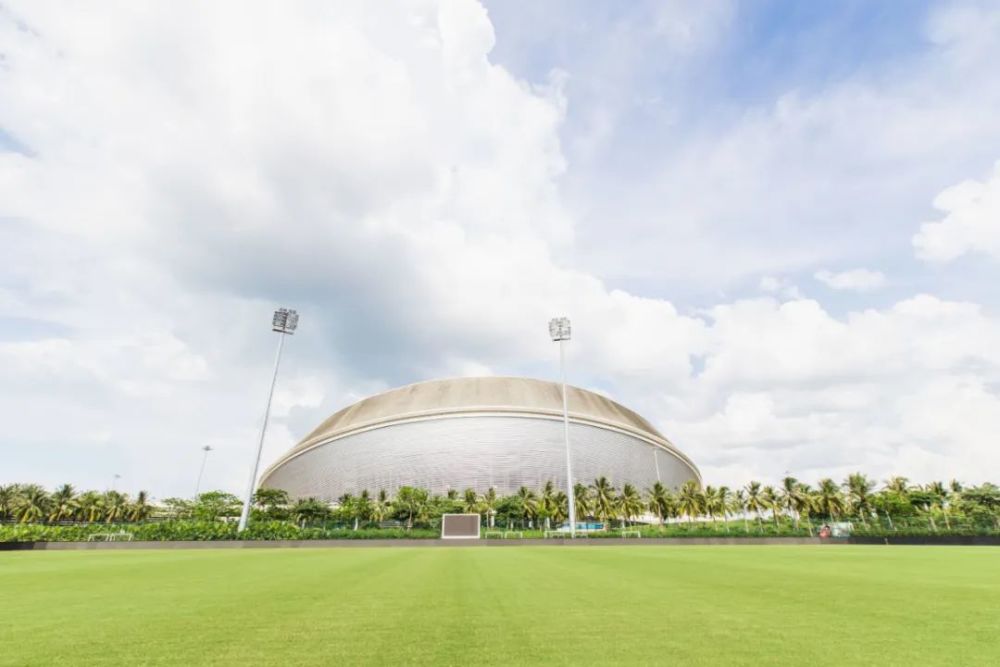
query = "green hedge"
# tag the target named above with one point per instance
(283, 530)
(923, 531)
(699, 529)
(165, 531)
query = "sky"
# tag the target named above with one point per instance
(775, 225)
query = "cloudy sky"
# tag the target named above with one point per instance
(775, 225)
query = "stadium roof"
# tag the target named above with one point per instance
(457, 396)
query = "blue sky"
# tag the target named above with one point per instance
(774, 224)
(758, 52)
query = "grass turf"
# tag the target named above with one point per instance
(512, 605)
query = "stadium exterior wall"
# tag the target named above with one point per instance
(476, 433)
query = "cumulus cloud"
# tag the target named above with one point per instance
(788, 386)
(971, 222)
(825, 171)
(776, 285)
(183, 172)
(859, 280)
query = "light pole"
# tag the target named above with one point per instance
(559, 330)
(114, 480)
(284, 322)
(204, 459)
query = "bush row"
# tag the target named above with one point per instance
(163, 531)
(181, 530)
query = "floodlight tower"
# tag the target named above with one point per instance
(284, 323)
(559, 331)
(204, 460)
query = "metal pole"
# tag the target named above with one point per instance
(245, 516)
(569, 463)
(204, 460)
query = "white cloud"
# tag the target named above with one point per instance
(774, 285)
(971, 222)
(831, 170)
(859, 280)
(371, 167)
(787, 386)
(770, 283)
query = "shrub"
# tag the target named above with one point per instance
(164, 531)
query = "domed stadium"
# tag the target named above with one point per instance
(477, 433)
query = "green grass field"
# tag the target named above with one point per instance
(513, 605)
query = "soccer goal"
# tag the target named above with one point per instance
(120, 536)
(630, 532)
(460, 526)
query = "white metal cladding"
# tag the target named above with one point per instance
(476, 451)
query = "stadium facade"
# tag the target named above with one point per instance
(476, 433)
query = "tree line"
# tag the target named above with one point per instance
(857, 498)
(31, 503)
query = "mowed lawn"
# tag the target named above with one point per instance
(754, 605)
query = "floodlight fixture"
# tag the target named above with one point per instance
(285, 321)
(559, 329)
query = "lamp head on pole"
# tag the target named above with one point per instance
(559, 328)
(285, 321)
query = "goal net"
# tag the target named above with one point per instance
(459, 526)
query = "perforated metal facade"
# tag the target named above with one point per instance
(477, 447)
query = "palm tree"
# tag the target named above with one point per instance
(488, 501)
(548, 503)
(898, 485)
(452, 494)
(470, 501)
(770, 499)
(690, 500)
(64, 505)
(9, 496)
(380, 506)
(560, 507)
(411, 502)
(529, 505)
(661, 501)
(710, 503)
(140, 509)
(755, 503)
(805, 503)
(363, 508)
(348, 508)
(33, 504)
(740, 506)
(723, 499)
(582, 505)
(605, 500)
(942, 500)
(828, 499)
(794, 498)
(859, 494)
(90, 506)
(115, 506)
(629, 503)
